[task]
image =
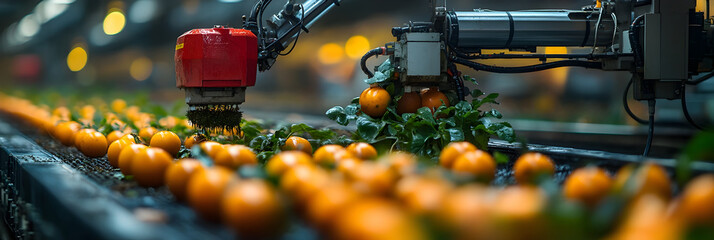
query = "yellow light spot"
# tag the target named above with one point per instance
(356, 46)
(557, 76)
(141, 68)
(114, 22)
(330, 53)
(76, 59)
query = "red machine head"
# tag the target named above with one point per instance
(214, 66)
(216, 57)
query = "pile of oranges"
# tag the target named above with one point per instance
(354, 192)
(374, 100)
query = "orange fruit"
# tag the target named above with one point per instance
(146, 133)
(166, 140)
(81, 134)
(588, 185)
(93, 144)
(114, 150)
(433, 99)
(205, 191)
(62, 112)
(114, 135)
(149, 166)
(253, 208)
(362, 150)
(300, 182)
(65, 131)
(647, 218)
(452, 151)
(128, 138)
(409, 103)
(178, 174)
(373, 178)
(281, 162)
(373, 101)
(211, 148)
(519, 202)
(402, 163)
(234, 156)
(193, 139)
(478, 163)
(118, 105)
(696, 200)
(649, 178)
(422, 195)
(347, 165)
(530, 166)
(126, 156)
(327, 202)
(298, 144)
(375, 219)
(326, 155)
(466, 211)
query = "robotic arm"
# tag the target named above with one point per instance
(663, 43)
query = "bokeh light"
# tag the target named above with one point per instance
(114, 22)
(330, 53)
(141, 68)
(356, 46)
(77, 59)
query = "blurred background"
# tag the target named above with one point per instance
(121, 48)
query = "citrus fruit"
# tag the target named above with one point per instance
(373, 101)
(234, 156)
(433, 99)
(300, 182)
(65, 131)
(205, 191)
(362, 150)
(178, 174)
(326, 155)
(252, 207)
(281, 162)
(149, 166)
(114, 150)
(422, 195)
(588, 185)
(327, 202)
(211, 148)
(114, 135)
(298, 144)
(166, 140)
(375, 219)
(193, 139)
(478, 163)
(452, 151)
(697, 198)
(531, 166)
(409, 103)
(93, 144)
(146, 133)
(126, 156)
(649, 178)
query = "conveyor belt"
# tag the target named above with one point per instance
(51, 191)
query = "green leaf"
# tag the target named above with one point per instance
(470, 79)
(337, 114)
(352, 109)
(455, 134)
(492, 113)
(503, 130)
(368, 129)
(426, 114)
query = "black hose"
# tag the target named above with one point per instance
(525, 69)
(627, 106)
(700, 79)
(635, 41)
(650, 130)
(686, 111)
(363, 61)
